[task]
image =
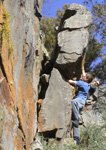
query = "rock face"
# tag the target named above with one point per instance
(72, 39)
(20, 47)
(21, 73)
(76, 17)
(91, 114)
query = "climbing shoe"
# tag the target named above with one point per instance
(77, 139)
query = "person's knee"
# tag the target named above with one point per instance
(73, 102)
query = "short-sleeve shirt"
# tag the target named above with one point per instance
(83, 89)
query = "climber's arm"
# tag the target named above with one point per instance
(72, 82)
(82, 68)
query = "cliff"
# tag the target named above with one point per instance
(34, 95)
(20, 47)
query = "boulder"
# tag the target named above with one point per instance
(54, 117)
(72, 45)
(76, 17)
(55, 112)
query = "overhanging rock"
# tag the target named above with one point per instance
(76, 16)
(72, 40)
(72, 44)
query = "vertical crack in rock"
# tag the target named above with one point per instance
(21, 129)
(2, 68)
(29, 62)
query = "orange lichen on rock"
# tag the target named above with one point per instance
(26, 103)
(1, 13)
(7, 58)
(19, 142)
(41, 120)
(31, 115)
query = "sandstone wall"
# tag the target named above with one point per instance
(20, 47)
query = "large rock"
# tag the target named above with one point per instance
(55, 112)
(102, 95)
(72, 45)
(76, 16)
(54, 119)
(72, 40)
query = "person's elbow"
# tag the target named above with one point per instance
(72, 82)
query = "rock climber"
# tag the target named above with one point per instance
(93, 86)
(92, 96)
(78, 102)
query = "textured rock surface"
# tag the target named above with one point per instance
(21, 56)
(55, 107)
(91, 114)
(72, 45)
(20, 47)
(76, 16)
(102, 94)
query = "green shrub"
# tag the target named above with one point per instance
(93, 138)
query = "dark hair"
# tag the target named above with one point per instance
(97, 82)
(90, 77)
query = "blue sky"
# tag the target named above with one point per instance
(50, 6)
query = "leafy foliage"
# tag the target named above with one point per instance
(94, 51)
(97, 30)
(100, 70)
(48, 26)
(93, 137)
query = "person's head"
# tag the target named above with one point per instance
(88, 78)
(97, 83)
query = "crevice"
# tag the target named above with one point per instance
(37, 10)
(2, 68)
(62, 52)
(47, 66)
(49, 134)
(72, 29)
(20, 126)
(68, 14)
(45, 73)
